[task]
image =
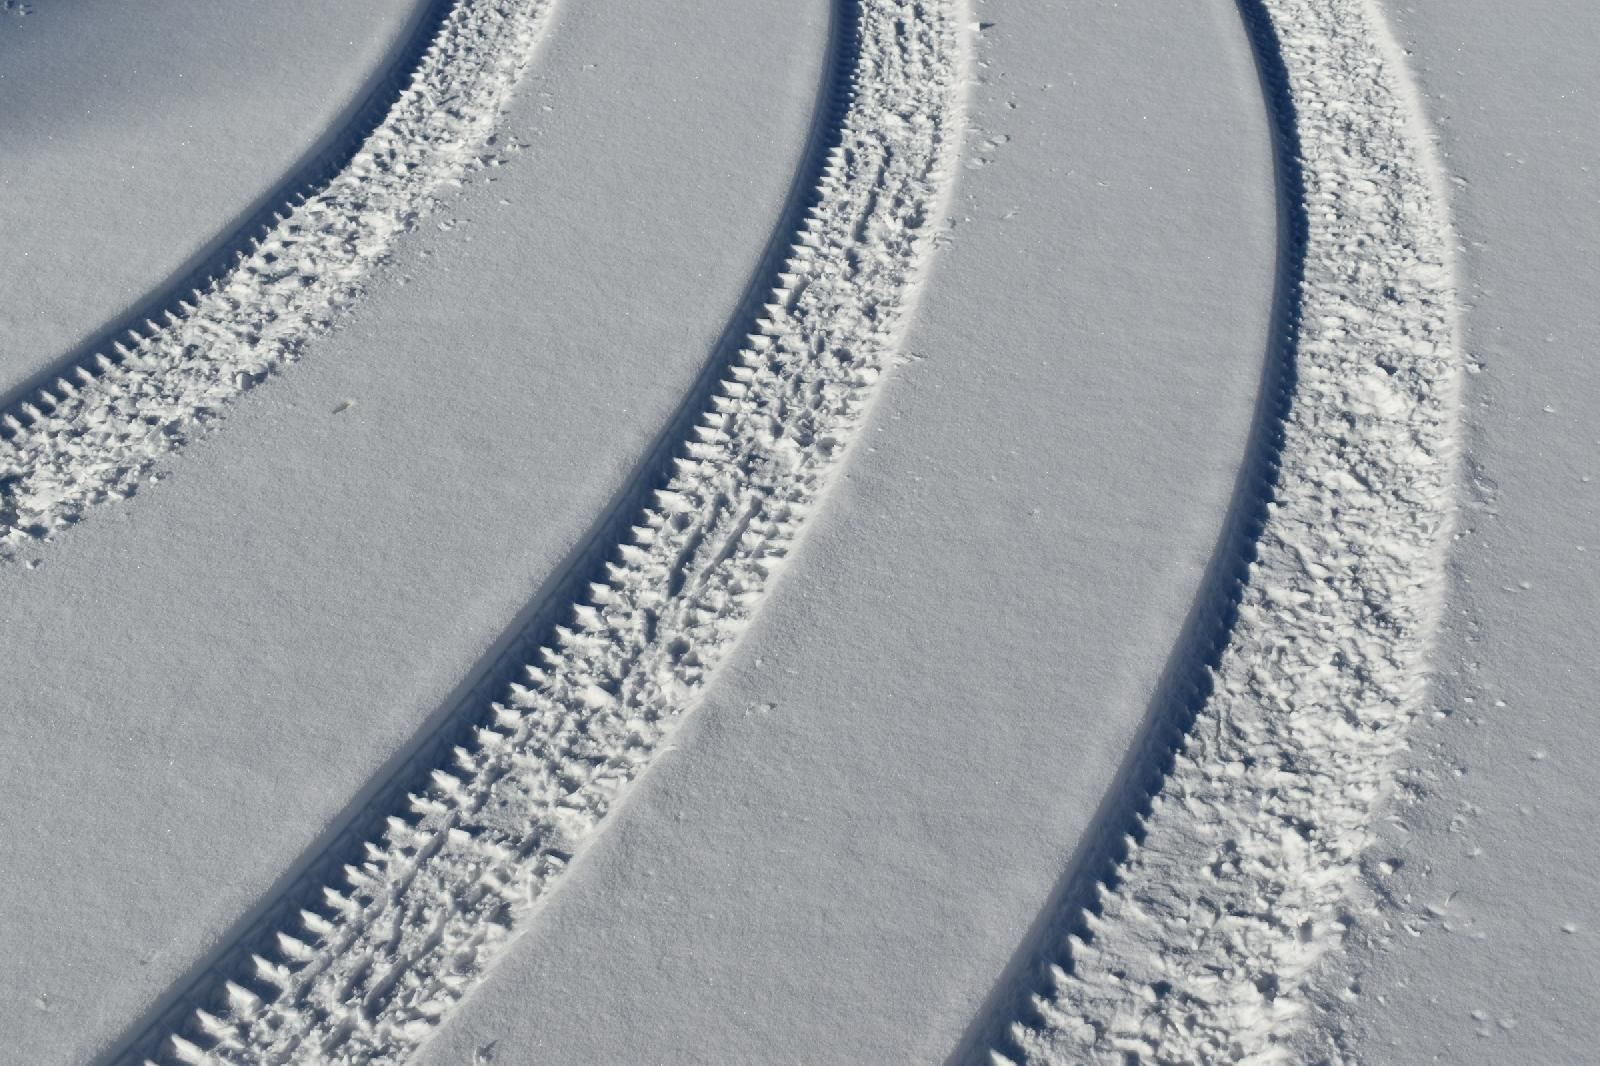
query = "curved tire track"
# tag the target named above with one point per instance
(362, 966)
(314, 170)
(1235, 882)
(86, 431)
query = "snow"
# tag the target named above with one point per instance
(787, 531)
(139, 138)
(88, 436)
(361, 968)
(1203, 944)
(1483, 948)
(860, 826)
(302, 583)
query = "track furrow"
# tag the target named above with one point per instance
(361, 968)
(1238, 878)
(89, 435)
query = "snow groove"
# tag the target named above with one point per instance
(1238, 879)
(371, 961)
(89, 435)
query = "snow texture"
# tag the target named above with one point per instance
(374, 961)
(146, 145)
(1479, 948)
(305, 596)
(857, 827)
(1202, 944)
(89, 437)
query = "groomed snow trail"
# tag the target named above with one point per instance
(1202, 941)
(373, 962)
(91, 436)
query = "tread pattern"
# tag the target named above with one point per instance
(90, 436)
(1237, 880)
(368, 964)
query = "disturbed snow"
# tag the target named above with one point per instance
(1202, 947)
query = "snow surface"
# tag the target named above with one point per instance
(363, 966)
(894, 800)
(88, 436)
(1484, 949)
(863, 821)
(139, 137)
(245, 646)
(1244, 873)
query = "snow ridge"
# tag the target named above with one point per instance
(1201, 944)
(92, 434)
(370, 963)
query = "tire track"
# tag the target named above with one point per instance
(85, 431)
(363, 963)
(319, 165)
(1235, 879)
